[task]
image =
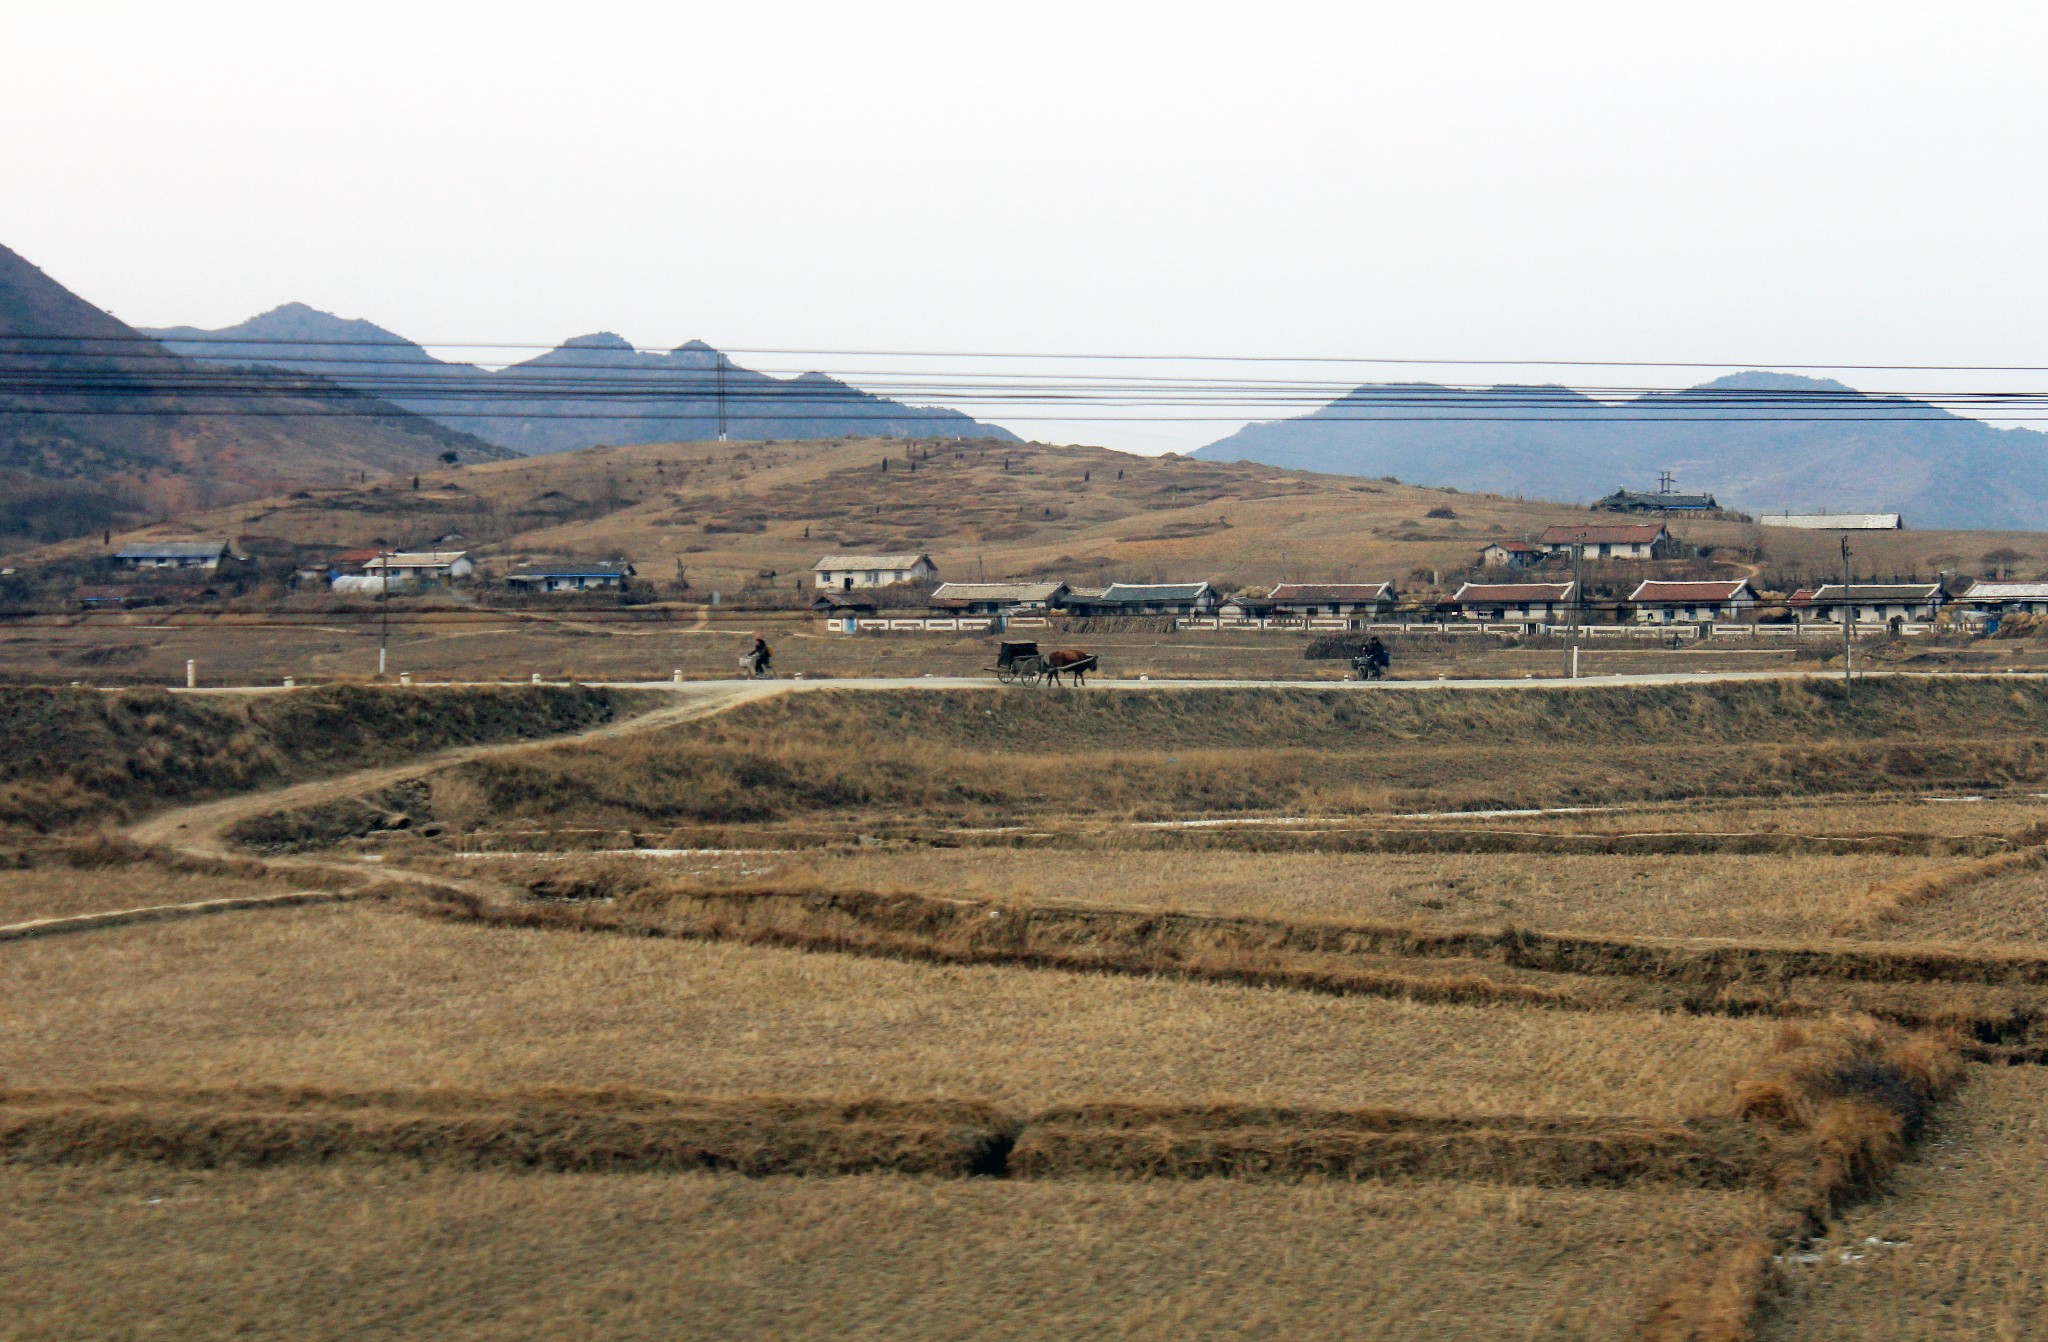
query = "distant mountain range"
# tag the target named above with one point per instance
(589, 390)
(1761, 442)
(101, 426)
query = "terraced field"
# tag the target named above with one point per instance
(842, 1016)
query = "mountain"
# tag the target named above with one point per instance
(100, 424)
(1761, 442)
(589, 390)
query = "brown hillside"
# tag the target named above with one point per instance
(729, 512)
(99, 425)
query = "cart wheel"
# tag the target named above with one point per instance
(1031, 675)
(1005, 674)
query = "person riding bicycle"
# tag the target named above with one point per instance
(759, 657)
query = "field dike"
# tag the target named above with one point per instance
(1510, 967)
(615, 1131)
(78, 756)
(1885, 903)
(1840, 1103)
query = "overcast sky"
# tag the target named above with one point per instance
(1757, 184)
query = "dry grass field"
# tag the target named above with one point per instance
(361, 998)
(960, 1019)
(388, 1252)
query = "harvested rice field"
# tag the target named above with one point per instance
(93, 1251)
(360, 997)
(958, 1014)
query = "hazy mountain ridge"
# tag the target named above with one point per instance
(1861, 453)
(129, 428)
(588, 390)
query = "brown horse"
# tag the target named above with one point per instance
(1072, 661)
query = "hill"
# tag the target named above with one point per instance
(590, 390)
(100, 425)
(1732, 436)
(725, 514)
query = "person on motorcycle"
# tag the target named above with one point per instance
(1376, 655)
(759, 657)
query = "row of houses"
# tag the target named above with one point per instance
(374, 571)
(1652, 602)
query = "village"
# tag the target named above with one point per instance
(1602, 577)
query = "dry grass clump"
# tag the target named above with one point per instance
(351, 997)
(99, 1251)
(79, 755)
(1953, 1249)
(1842, 1102)
(2007, 913)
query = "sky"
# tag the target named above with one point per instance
(1747, 184)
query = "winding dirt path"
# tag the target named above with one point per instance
(198, 828)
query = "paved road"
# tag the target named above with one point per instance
(784, 685)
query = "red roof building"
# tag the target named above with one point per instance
(1667, 602)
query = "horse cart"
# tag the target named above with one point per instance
(1022, 662)
(1019, 662)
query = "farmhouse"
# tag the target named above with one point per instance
(1610, 540)
(1513, 600)
(1146, 598)
(989, 598)
(1868, 603)
(2006, 598)
(843, 573)
(1511, 554)
(571, 577)
(420, 566)
(1336, 598)
(172, 554)
(1666, 602)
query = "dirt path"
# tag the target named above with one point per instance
(198, 828)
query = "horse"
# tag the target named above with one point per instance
(1073, 661)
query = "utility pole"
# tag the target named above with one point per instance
(1572, 609)
(384, 617)
(720, 356)
(1848, 617)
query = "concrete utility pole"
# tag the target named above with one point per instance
(1848, 617)
(720, 356)
(1571, 625)
(384, 617)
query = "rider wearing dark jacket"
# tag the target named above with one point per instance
(760, 656)
(1376, 653)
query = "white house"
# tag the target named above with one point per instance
(172, 554)
(1667, 602)
(843, 573)
(1511, 554)
(1609, 540)
(585, 577)
(1869, 603)
(2006, 598)
(1306, 599)
(1544, 601)
(419, 566)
